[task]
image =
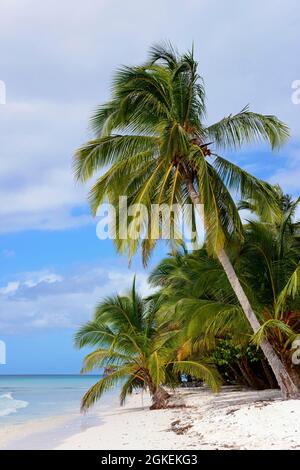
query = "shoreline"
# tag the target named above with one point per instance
(13, 434)
(198, 419)
(45, 433)
(232, 419)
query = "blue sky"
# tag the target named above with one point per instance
(57, 59)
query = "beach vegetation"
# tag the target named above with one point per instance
(153, 144)
(135, 351)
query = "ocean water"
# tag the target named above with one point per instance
(24, 398)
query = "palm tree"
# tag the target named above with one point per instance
(282, 221)
(195, 292)
(275, 276)
(194, 289)
(153, 137)
(135, 351)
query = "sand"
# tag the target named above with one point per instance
(233, 419)
(20, 436)
(230, 420)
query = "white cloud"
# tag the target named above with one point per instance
(57, 59)
(8, 253)
(288, 176)
(47, 299)
(34, 279)
(10, 288)
(37, 188)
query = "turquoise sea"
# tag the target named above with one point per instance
(28, 397)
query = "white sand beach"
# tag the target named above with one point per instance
(12, 436)
(199, 420)
(229, 420)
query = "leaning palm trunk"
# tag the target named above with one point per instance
(285, 382)
(160, 399)
(292, 370)
(159, 396)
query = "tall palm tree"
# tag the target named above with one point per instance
(135, 351)
(153, 137)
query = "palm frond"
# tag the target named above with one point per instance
(104, 358)
(246, 185)
(206, 372)
(107, 382)
(247, 127)
(93, 333)
(132, 383)
(98, 153)
(270, 325)
(291, 289)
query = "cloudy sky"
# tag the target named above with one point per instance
(57, 59)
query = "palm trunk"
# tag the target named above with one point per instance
(158, 394)
(159, 398)
(286, 384)
(293, 370)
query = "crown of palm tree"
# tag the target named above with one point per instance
(152, 141)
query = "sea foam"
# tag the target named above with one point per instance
(9, 405)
